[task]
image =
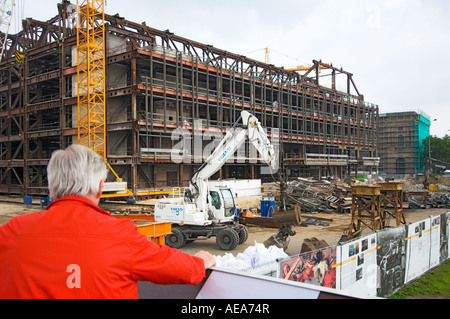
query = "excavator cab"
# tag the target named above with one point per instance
(222, 204)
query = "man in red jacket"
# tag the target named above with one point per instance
(74, 249)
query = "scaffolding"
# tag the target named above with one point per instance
(158, 84)
(401, 137)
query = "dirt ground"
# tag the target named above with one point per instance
(331, 234)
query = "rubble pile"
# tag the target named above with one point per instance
(428, 199)
(316, 196)
(320, 196)
(419, 197)
(333, 196)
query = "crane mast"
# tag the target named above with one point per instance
(91, 75)
(6, 13)
(91, 80)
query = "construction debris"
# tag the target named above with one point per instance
(435, 195)
(428, 199)
(310, 197)
(316, 196)
(335, 196)
(314, 220)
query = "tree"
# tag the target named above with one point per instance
(440, 149)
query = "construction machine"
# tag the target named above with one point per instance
(203, 210)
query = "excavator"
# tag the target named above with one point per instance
(205, 211)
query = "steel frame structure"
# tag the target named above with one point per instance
(157, 82)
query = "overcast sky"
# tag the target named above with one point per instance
(397, 50)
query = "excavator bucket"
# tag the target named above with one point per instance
(284, 220)
(277, 242)
(291, 217)
(310, 244)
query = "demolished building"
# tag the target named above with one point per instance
(158, 82)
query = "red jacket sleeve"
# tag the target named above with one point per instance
(163, 265)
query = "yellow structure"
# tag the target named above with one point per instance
(91, 80)
(91, 75)
(91, 88)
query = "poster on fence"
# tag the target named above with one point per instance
(445, 232)
(418, 249)
(435, 241)
(317, 267)
(358, 265)
(391, 259)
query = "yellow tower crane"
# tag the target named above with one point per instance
(91, 75)
(6, 12)
(91, 81)
(305, 68)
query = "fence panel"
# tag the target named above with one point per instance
(378, 264)
(418, 249)
(358, 266)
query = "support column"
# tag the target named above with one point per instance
(180, 175)
(134, 132)
(26, 125)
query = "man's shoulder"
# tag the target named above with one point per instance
(122, 223)
(28, 217)
(105, 222)
(21, 221)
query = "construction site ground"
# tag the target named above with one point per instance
(330, 234)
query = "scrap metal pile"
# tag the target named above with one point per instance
(333, 196)
(428, 199)
(315, 196)
(420, 194)
(299, 201)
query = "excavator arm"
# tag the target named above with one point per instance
(246, 127)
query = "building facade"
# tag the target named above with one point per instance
(401, 139)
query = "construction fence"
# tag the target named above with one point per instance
(377, 264)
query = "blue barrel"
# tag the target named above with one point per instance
(267, 206)
(45, 201)
(28, 200)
